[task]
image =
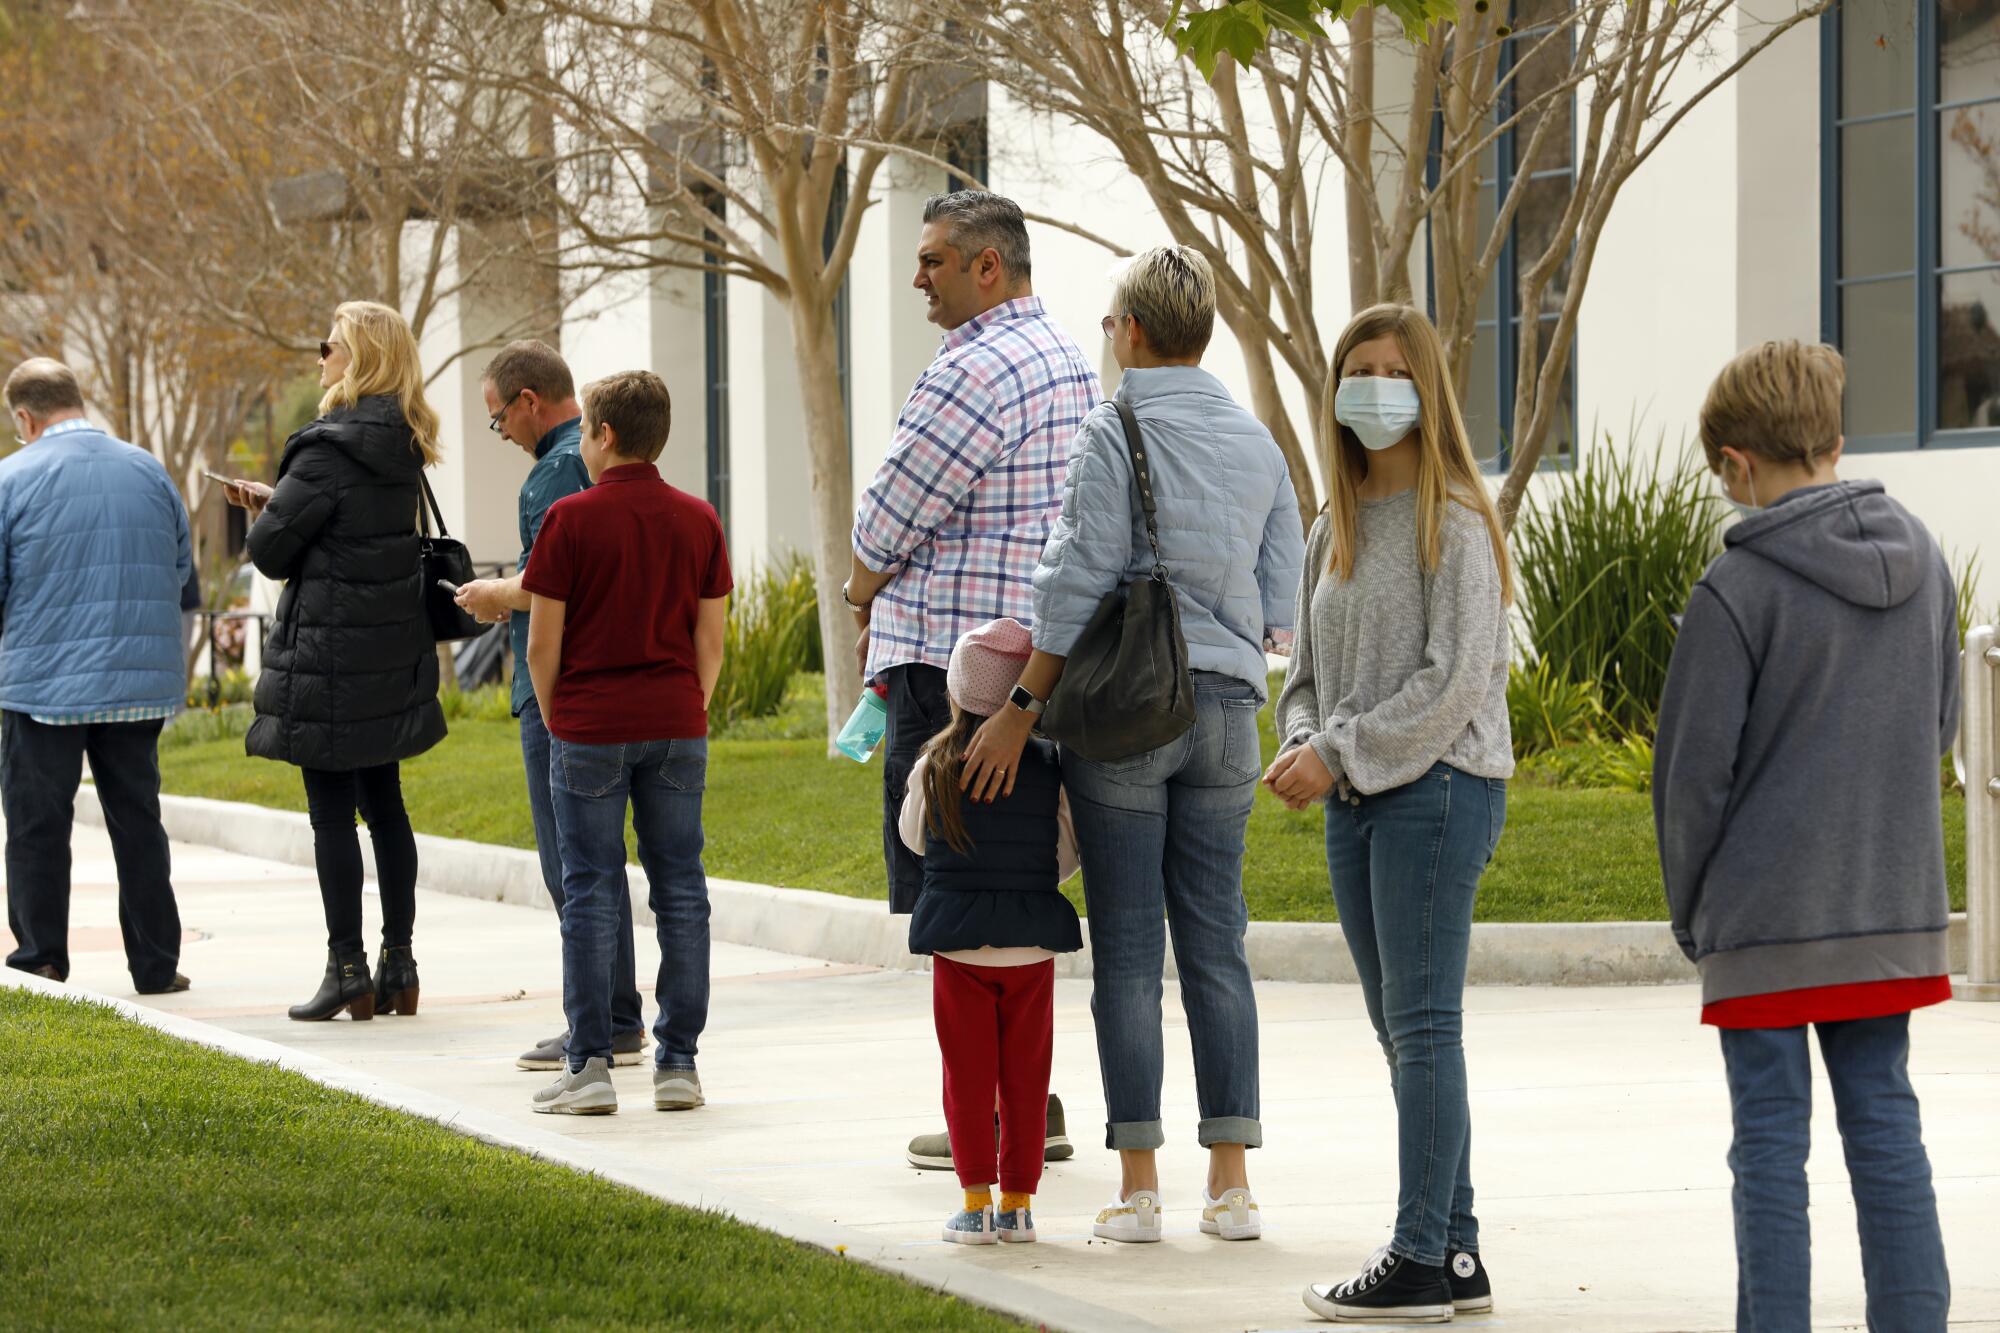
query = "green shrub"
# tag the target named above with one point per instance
(1617, 765)
(1546, 710)
(207, 724)
(488, 703)
(1604, 563)
(233, 686)
(772, 634)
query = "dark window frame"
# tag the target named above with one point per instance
(715, 357)
(1927, 271)
(1505, 279)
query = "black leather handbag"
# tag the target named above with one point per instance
(1126, 688)
(445, 560)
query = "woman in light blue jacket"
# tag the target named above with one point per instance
(1161, 833)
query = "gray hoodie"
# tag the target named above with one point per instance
(1795, 779)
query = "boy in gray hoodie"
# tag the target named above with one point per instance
(1796, 797)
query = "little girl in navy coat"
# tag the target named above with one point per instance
(992, 917)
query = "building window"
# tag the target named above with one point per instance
(965, 148)
(715, 350)
(1910, 227)
(1531, 65)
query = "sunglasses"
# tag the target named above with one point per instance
(493, 422)
(326, 349)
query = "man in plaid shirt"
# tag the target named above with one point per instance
(947, 535)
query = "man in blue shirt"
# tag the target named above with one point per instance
(94, 552)
(531, 402)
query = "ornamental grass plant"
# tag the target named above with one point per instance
(1605, 560)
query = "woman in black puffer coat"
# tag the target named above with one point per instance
(350, 679)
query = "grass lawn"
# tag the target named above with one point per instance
(778, 811)
(154, 1184)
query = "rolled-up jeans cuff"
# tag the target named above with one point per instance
(1230, 1129)
(1134, 1135)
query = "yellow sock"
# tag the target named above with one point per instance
(979, 1198)
(1012, 1199)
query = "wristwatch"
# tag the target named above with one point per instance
(852, 605)
(1027, 702)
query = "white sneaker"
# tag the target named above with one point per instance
(1234, 1216)
(676, 1090)
(586, 1092)
(1136, 1219)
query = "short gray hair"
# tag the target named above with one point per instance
(1170, 290)
(43, 386)
(979, 222)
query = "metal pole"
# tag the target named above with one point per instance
(1982, 816)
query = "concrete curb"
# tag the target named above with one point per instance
(858, 930)
(995, 1291)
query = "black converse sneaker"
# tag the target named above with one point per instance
(1470, 1290)
(1389, 1288)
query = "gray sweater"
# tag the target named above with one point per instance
(1795, 777)
(1395, 670)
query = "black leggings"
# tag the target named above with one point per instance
(332, 798)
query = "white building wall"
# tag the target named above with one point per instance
(1713, 245)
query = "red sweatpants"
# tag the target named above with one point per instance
(996, 1029)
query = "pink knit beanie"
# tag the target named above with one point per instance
(987, 664)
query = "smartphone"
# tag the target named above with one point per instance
(448, 586)
(218, 478)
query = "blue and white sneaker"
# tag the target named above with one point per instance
(1017, 1226)
(967, 1227)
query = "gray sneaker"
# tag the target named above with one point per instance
(586, 1092)
(627, 1048)
(932, 1152)
(676, 1089)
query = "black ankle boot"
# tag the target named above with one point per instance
(396, 981)
(346, 986)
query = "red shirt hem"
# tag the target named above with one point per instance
(1827, 1004)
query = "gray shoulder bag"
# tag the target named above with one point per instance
(1126, 688)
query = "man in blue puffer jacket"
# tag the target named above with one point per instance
(94, 551)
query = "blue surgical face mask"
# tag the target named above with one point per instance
(1378, 409)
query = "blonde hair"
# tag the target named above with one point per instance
(1170, 290)
(1446, 472)
(382, 359)
(1779, 400)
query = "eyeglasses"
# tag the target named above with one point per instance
(493, 422)
(1110, 324)
(326, 349)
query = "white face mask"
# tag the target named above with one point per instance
(1378, 409)
(1745, 510)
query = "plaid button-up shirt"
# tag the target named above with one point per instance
(963, 504)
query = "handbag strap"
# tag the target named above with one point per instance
(1142, 475)
(424, 519)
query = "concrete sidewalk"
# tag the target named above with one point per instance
(1600, 1116)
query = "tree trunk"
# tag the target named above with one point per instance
(818, 365)
(1268, 403)
(1364, 278)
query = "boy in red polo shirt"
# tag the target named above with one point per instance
(1795, 788)
(630, 583)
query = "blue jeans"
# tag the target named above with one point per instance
(1161, 834)
(625, 1012)
(589, 786)
(1405, 865)
(1770, 1097)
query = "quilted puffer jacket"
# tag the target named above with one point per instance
(350, 674)
(93, 554)
(1228, 520)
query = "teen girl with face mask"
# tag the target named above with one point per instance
(1394, 714)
